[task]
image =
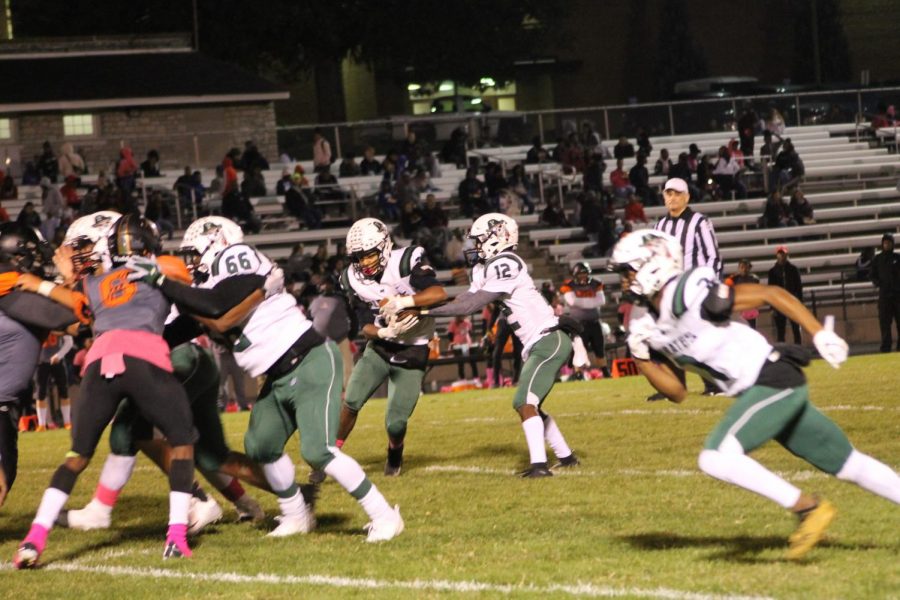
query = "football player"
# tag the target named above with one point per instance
(303, 371)
(689, 322)
(499, 275)
(25, 321)
(129, 358)
(584, 297)
(381, 276)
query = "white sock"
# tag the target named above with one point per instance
(51, 503)
(730, 464)
(43, 415)
(374, 504)
(345, 471)
(117, 471)
(534, 436)
(66, 409)
(294, 506)
(871, 475)
(555, 438)
(280, 474)
(179, 505)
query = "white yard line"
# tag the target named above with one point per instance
(588, 590)
(791, 475)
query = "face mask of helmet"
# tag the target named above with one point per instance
(367, 262)
(24, 249)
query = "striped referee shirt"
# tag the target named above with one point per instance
(697, 237)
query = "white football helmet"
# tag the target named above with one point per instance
(366, 237)
(87, 236)
(492, 233)
(204, 239)
(655, 258)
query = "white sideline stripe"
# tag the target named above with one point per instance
(792, 475)
(439, 585)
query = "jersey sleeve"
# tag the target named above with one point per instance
(239, 259)
(502, 274)
(691, 290)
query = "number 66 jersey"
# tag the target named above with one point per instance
(273, 326)
(524, 306)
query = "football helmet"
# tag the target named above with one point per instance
(87, 236)
(204, 239)
(132, 235)
(24, 248)
(366, 238)
(492, 233)
(581, 269)
(654, 257)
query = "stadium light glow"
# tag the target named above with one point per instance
(414, 87)
(446, 86)
(487, 81)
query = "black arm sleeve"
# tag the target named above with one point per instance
(423, 277)
(181, 330)
(718, 304)
(215, 302)
(37, 311)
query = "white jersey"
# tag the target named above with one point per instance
(394, 282)
(731, 354)
(525, 308)
(273, 326)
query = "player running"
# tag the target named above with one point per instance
(303, 371)
(395, 279)
(499, 275)
(689, 322)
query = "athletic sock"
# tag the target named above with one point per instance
(234, 491)
(43, 415)
(352, 478)
(51, 504)
(872, 475)
(555, 438)
(741, 470)
(66, 410)
(294, 505)
(179, 506)
(534, 437)
(375, 504)
(116, 472)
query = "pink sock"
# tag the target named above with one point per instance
(233, 491)
(177, 534)
(339, 443)
(106, 495)
(37, 535)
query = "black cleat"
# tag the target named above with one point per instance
(537, 470)
(567, 462)
(394, 461)
(317, 476)
(656, 397)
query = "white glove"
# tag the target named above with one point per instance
(395, 328)
(639, 331)
(395, 304)
(831, 346)
(274, 282)
(580, 356)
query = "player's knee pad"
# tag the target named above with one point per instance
(260, 449)
(64, 479)
(181, 475)
(730, 445)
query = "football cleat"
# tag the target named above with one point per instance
(249, 509)
(40, 428)
(176, 550)
(294, 525)
(385, 528)
(203, 513)
(317, 476)
(94, 515)
(811, 530)
(567, 462)
(656, 397)
(394, 461)
(537, 470)
(27, 556)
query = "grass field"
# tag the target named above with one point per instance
(636, 520)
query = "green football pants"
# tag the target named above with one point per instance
(539, 372)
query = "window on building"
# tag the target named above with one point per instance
(5, 129)
(78, 125)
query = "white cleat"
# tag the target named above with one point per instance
(202, 514)
(385, 528)
(249, 509)
(93, 516)
(294, 525)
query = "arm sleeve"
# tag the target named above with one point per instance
(36, 311)
(423, 277)
(215, 302)
(181, 330)
(466, 304)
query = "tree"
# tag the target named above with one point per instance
(678, 58)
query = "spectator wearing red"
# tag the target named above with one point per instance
(69, 192)
(622, 187)
(231, 177)
(460, 333)
(126, 169)
(634, 211)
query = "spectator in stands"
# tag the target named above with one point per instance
(572, 155)
(70, 162)
(183, 186)
(639, 178)
(52, 204)
(387, 202)
(29, 217)
(593, 143)
(886, 277)
(472, 195)
(300, 204)
(405, 191)
(643, 140)
(619, 179)
(770, 148)
(634, 212)
(368, 165)
(801, 209)
(8, 188)
(433, 216)
(775, 123)
(455, 247)
(785, 275)
(789, 169)
(776, 212)
(459, 333)
(238, 208)
(349, 167)
(47, 165)
(412, 149)
(199, 192)
(680, 169)
(880, 118)
(69, 193)
(519, 185)
(421, 182)
(593, 173)
(158, 211)
(554, 215)
(494, 182)
(322, 158)
(623, 149)
(455, 150)
(252, 158)
(31, 175)
(230, 178)
(663, 164)
(254, 184)
(694, 158)
(736, 155)
(411, 221)
(744, 275)
(126, 171)
(284, 184)
(150, 167)
(536, 154)
(391, 165)
(746, 127)
(864, 264)
(727, 175)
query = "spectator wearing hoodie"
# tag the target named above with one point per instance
(126, 171)
(70, 162)
(52, 205)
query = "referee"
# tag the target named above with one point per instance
(698, 240)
